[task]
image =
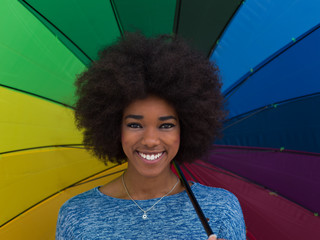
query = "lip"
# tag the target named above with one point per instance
(154, 157)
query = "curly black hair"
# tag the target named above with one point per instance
(136, 67)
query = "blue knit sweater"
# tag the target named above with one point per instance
(93, 215)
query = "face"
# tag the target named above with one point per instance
(150, 136)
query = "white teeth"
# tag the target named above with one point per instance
(150, 157)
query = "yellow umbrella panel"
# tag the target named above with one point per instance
(33, 164)
(39, 222)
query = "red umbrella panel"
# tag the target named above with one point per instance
(268, 215)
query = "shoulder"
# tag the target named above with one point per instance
(82, 197)
(212, 192)
(79, 209)
(81, 201)
(217, 198)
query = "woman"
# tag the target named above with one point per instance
(149, 102)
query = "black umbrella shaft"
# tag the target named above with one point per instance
(194, 201)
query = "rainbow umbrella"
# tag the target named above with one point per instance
(268, 54)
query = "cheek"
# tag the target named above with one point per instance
(176, 141)
(125, 136)
(128, 140)
(124, 139)
(178, 136)
(125, 144)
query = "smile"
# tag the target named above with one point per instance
(150, 157)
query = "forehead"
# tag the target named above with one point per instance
(150, 105)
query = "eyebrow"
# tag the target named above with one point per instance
(139, 117)
(164, 118)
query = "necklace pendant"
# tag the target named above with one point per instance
(144, 216)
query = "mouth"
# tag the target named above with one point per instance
(150, 156)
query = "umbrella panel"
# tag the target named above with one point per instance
(39, 222)
(293, 125)
(30, 122)
(288, 74)
(202, 21)
(267, 215)
(292, 174)
(82, 26)
(150, 17)
(28, 177)
(32, 59)
(257, 31)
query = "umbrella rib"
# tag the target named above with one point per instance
(214, 45)
(94, 179)
(47, 146)
(249, 114)
(229, 92)
(37, 95)
(238, 177)
(73, 185)
(177, 17)
(257, 149)
(246, 117)
(115, 12)
(225, 172)
(190, 173)
(60, 31)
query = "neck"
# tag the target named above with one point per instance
(142, 187)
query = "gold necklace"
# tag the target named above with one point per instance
(145, 216)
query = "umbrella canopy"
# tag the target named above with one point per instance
(267, 53)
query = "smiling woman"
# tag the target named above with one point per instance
(149, 102)
(150, 137)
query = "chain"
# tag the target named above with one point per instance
(144, 216)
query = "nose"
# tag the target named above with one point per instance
(150, 138)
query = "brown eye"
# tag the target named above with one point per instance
(167, 125)
(134, 125)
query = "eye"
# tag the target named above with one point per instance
(134, 125)
(167, 125)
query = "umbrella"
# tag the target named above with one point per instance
(267, 53)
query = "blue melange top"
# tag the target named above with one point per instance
(93, 215)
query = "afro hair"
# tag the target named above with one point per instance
(135, 67)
